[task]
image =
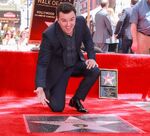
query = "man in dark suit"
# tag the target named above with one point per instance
(103, 28)
(60, 57)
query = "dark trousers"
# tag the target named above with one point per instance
(126, 45)
(58, 92)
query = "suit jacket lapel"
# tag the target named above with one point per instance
(60, 35)
(77, 33)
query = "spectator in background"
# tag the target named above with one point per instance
(1, 33)
(113, 18)
(103, 28)
(123, 28)
(112, 41)
(5, 27)
(8, 39)
(140, 27)
(91, 24)
(23, 38)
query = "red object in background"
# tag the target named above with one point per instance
(17, 73)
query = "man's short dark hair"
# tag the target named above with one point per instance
(65, 7)
(133, 2)
(104, 3)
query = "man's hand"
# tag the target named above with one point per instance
(91, 63)
(134, 33)
(41, 95)
(116, 36)
(134, 46)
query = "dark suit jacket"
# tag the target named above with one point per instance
(103, 27)
(123, 26)
(50, 64)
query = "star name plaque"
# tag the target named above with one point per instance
(108, 86)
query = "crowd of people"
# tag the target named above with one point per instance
(12, 38)
(127, 32)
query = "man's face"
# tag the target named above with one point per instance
(67, 22)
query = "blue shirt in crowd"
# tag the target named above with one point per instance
(141, 16)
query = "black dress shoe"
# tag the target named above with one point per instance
(77, 104)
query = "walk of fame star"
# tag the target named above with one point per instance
(109, 79)
(84, 123)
